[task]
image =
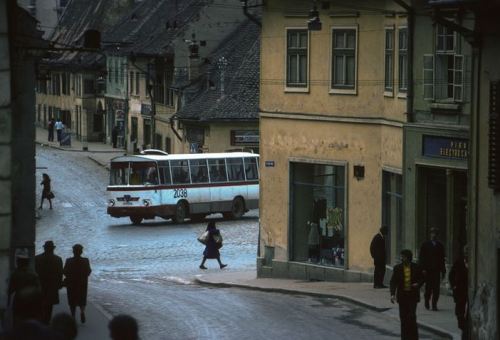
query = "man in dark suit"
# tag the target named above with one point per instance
(405, 289)
(431, 260)
(377, 250)
(49, 268)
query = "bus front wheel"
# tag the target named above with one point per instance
(136, 220)
(181, 211)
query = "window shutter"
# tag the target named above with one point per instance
(494, 137)
(458, 78)
(428, 77)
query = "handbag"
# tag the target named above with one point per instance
(51, 195)
(218, 240)
(203, 238)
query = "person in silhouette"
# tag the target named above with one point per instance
(76, 272)
(49, 268)
(377, 251)
(214, 243)
(458, 278)
(406, 281)
(46, 191)
(123, 327)
(432, 261)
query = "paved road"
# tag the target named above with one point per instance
(147, 270)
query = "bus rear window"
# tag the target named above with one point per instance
(119, 173)
(251, 168)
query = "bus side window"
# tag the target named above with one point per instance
(235, 169)
(251, 168)
(217, 168)
(165, 173)
(199, 171)
(180, 172)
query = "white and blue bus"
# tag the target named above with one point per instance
(181, 186)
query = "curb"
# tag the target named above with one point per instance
(98, 163)
(77, 150)
(438, 331)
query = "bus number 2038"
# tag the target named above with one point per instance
(180, 193)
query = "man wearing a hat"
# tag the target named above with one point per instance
(49, 268)
(431, 259)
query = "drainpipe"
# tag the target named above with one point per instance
(244, 3)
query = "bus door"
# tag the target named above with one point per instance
(165, 180)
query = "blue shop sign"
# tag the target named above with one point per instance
(444, 147)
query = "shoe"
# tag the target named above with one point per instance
(82, 317)
(427, 305)
(223, 266)
(434, 308)
(202, 267)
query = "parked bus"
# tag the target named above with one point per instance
(181, 186)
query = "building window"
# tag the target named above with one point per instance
(110, 69)
(392, 214)
(88, 86)
(158, 141)
(168, 145)
(131, 83)
(147, 131)
(318, 213)
(137, 83)
(116, 70)
(65, 80)
(343, 58)
(389, 60)
(297, 58)
(443, 77)
(403, 60)
(122, 72)
(170, 97)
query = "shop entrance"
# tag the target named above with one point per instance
(442, 203)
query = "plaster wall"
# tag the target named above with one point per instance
(484, 251)
(283, 140)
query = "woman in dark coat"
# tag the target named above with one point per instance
(46, 191)
(77, 271)
(212, 247)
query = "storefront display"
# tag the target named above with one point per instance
(318, 229)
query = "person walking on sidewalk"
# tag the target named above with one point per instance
(46, 191)
(431, 259)
(214, 243)
(49, 268)
(406, 281)
(377, 250)
(458, 278)
(76, 272)
(114, 135)
(50, 127)
(59, 128)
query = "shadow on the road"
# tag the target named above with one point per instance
(156, 223)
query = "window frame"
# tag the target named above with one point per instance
(389, 91)
(402, 91)
(344, 89)
(297, 88)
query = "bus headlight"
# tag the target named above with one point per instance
(146, 203)
(111, 203)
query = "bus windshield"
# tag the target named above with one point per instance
(133, 173)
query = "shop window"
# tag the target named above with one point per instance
(318, 213)
(392, 213)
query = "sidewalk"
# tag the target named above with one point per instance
(98, 152)
(442, 323)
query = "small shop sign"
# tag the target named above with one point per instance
(445, 147)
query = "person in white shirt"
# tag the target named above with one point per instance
(59, 128)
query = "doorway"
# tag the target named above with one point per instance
(442, 203)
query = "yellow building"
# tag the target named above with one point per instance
(332, 107)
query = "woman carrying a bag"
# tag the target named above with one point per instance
(213, 244)
(46, 191)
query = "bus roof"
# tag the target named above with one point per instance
(149, 158)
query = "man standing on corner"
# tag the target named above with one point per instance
(377, 250)
(405, 289)
(49, 268)
(431, 260)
